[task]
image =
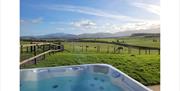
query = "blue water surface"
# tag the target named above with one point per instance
(83, 82)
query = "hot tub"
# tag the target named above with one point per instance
(88, 77)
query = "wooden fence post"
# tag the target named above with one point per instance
(86, 47)
(145, 51)
(99, 48)
(44, 56)
(52, 47)
(49, 46)
(27, 49)
(43, 48)
(120, 51)
(114, 49)
(34, 50)
(82, 48)
(49, 53)
(149, 51)
(108, 49)
(55, 47)
(139, 51)
(73, 47)
(159, 51)
(35, 61)
(21, 49)
(53, 52)
(31, 48)
(129, 50)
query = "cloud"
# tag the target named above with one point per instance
(87, 24)
(149, 7)
(37, 20)
(90, 11)
(132, 26)
(140, 26)
(32, 21)
(59, 28)
(92, 26)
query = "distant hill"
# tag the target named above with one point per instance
(93, 35)
(129, 33)
(58, 35)
(145, 35)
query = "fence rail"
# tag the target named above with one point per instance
(121, 44)
(37, 56)
(37, 44)
(51, 48)
(116, 43)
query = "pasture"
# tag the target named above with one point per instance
(86, 47)
(143, 41)
(142, 65)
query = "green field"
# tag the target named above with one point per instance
(86, 47)
(142, 41)
(145, 68)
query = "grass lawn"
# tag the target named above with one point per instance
(143, 68)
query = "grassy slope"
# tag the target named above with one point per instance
(144, 68)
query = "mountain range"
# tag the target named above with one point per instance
(90, 35)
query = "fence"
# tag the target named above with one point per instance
(52, 48)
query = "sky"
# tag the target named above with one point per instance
(39, 17)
